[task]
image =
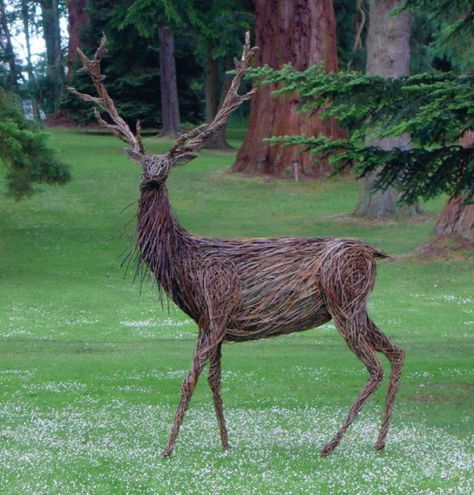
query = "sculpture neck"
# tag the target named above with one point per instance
(160, 236)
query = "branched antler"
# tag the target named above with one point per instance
(105, 102)
(189, 142)
(185, 147)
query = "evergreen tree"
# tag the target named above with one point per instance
(219, 25)
(434, 108)
(27, 17)
(132, 66)
(54, 82)
(7, 54)
(162, 17)
(25, 152)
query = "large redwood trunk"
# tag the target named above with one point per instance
(77, 20)
(303, 33)
(168, 85)
(457, 217)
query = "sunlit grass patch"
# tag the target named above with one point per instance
(90, 447)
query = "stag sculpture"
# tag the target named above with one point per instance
(245, 289)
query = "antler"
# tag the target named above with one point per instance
(184, 148)
(105, 102)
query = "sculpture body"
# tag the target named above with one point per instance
(246, 289)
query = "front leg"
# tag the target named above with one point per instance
(214, 379)
(187, 388)
(219, 292)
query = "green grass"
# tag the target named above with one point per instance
(90, 368)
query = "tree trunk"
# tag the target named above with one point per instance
(54, 66)
(457, 218)
(212, 76)
(168, 85)
(388, 55)
(377, 205)
(303, 33)
(218, 139)
(77, 20)
(8, 48)
(25, 15)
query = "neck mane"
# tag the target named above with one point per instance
(160, 237)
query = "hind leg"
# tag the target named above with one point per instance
(354, 330)
(395, 355)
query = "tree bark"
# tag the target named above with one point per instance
(302, 33)
(377, 205)
(54, 65)
(388, 55)
(168, 85)
(213, 102)
(77, 20)
(10, 58)
(457, 217)
(211, 98)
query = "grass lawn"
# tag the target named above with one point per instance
(90, 366)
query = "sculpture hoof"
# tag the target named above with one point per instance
(166, 453)
(327, 450)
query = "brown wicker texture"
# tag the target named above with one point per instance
(246, 289)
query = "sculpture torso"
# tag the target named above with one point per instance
(276, 281)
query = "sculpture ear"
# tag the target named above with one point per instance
(133, 154)
(184, 158)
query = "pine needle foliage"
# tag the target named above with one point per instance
(25, 152)
(458, 14)
(434, 108)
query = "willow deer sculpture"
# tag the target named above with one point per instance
(245, 289)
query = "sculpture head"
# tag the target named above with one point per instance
(156, 168)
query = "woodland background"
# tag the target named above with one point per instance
(168, 66)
